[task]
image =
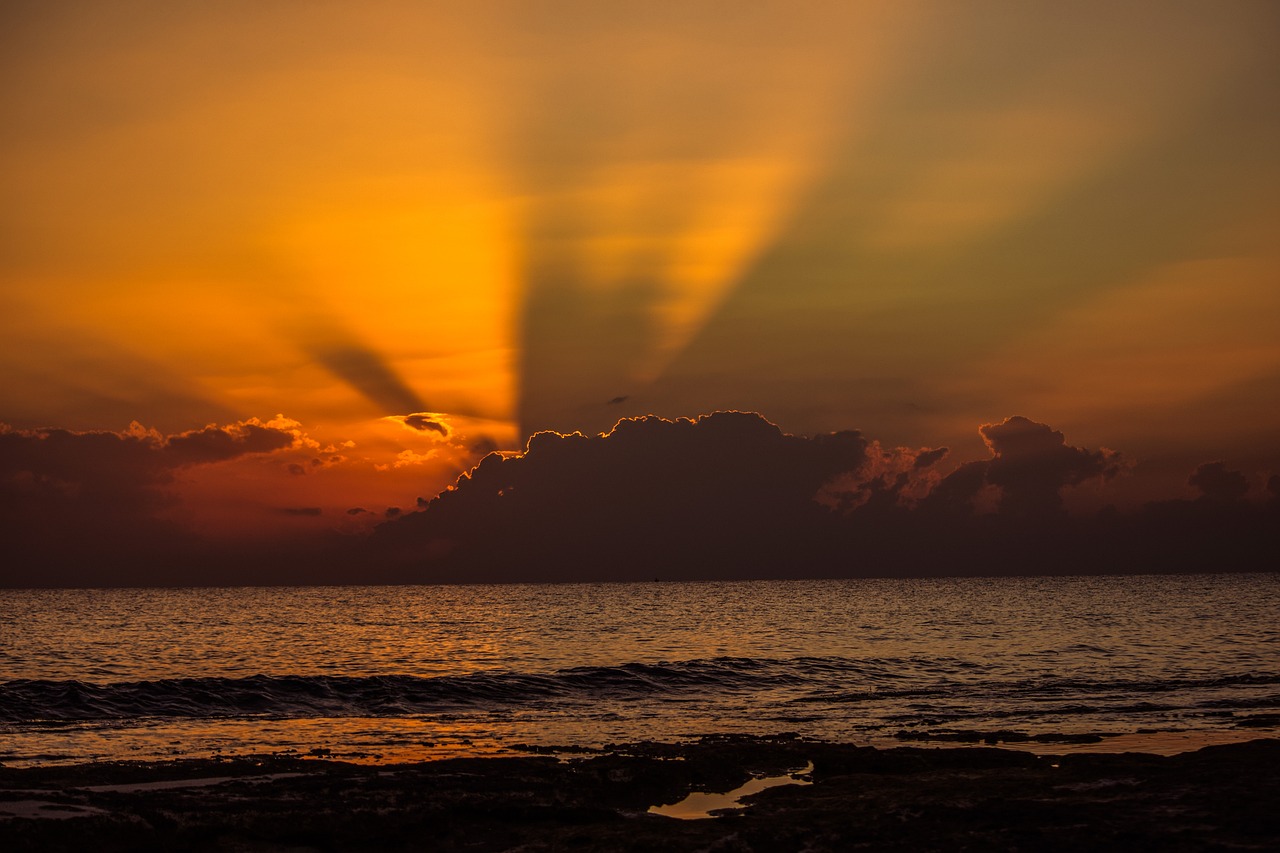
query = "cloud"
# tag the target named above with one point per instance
(725, 495)
(405, 459)
(136, 456)
(1031, 464)
(428, 422)
(1216, 483)
(101, 496)
(899, 477)
(716, 488)
(316, 463)
(728, 495)
(217, 444)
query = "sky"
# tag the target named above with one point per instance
(275, 272)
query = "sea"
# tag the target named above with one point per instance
(399, 673)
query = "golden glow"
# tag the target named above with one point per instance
(225, 212)
(1177, 335)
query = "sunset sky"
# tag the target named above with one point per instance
(306, 223)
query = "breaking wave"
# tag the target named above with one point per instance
(924, 685)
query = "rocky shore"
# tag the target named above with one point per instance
(815, 797)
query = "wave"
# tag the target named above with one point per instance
(31, 700)
(831, 680)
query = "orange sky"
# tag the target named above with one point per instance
(908, 218)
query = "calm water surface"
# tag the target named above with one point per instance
(410, 672)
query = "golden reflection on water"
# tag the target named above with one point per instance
(357, 740)
(416, 673)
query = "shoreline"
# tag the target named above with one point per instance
(419, 744)
(894, 798)
(1153, 742)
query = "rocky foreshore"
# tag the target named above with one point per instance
(907, 798)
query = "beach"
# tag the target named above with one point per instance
(813, 796)
(985, 714)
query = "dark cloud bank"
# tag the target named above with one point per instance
(723, 496)
(729, 495)
(87, 508)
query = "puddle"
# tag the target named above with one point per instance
(700, 804)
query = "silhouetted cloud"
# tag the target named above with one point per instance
(890, 478)
(725, 495)
(728, 495)
(136, 455)
(1033, 462)
(719, 488)
(215, 443)
(1030, 466)
(1217, 483)
(85, 502)
(425, 422)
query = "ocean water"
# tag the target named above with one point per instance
(399, 673)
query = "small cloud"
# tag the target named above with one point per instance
(392, 511)
(315, 463)
(406, 458)
(357, 510)
(616, 400)
(1216, 483)
(428, 422)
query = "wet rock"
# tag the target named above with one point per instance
(907, 798)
